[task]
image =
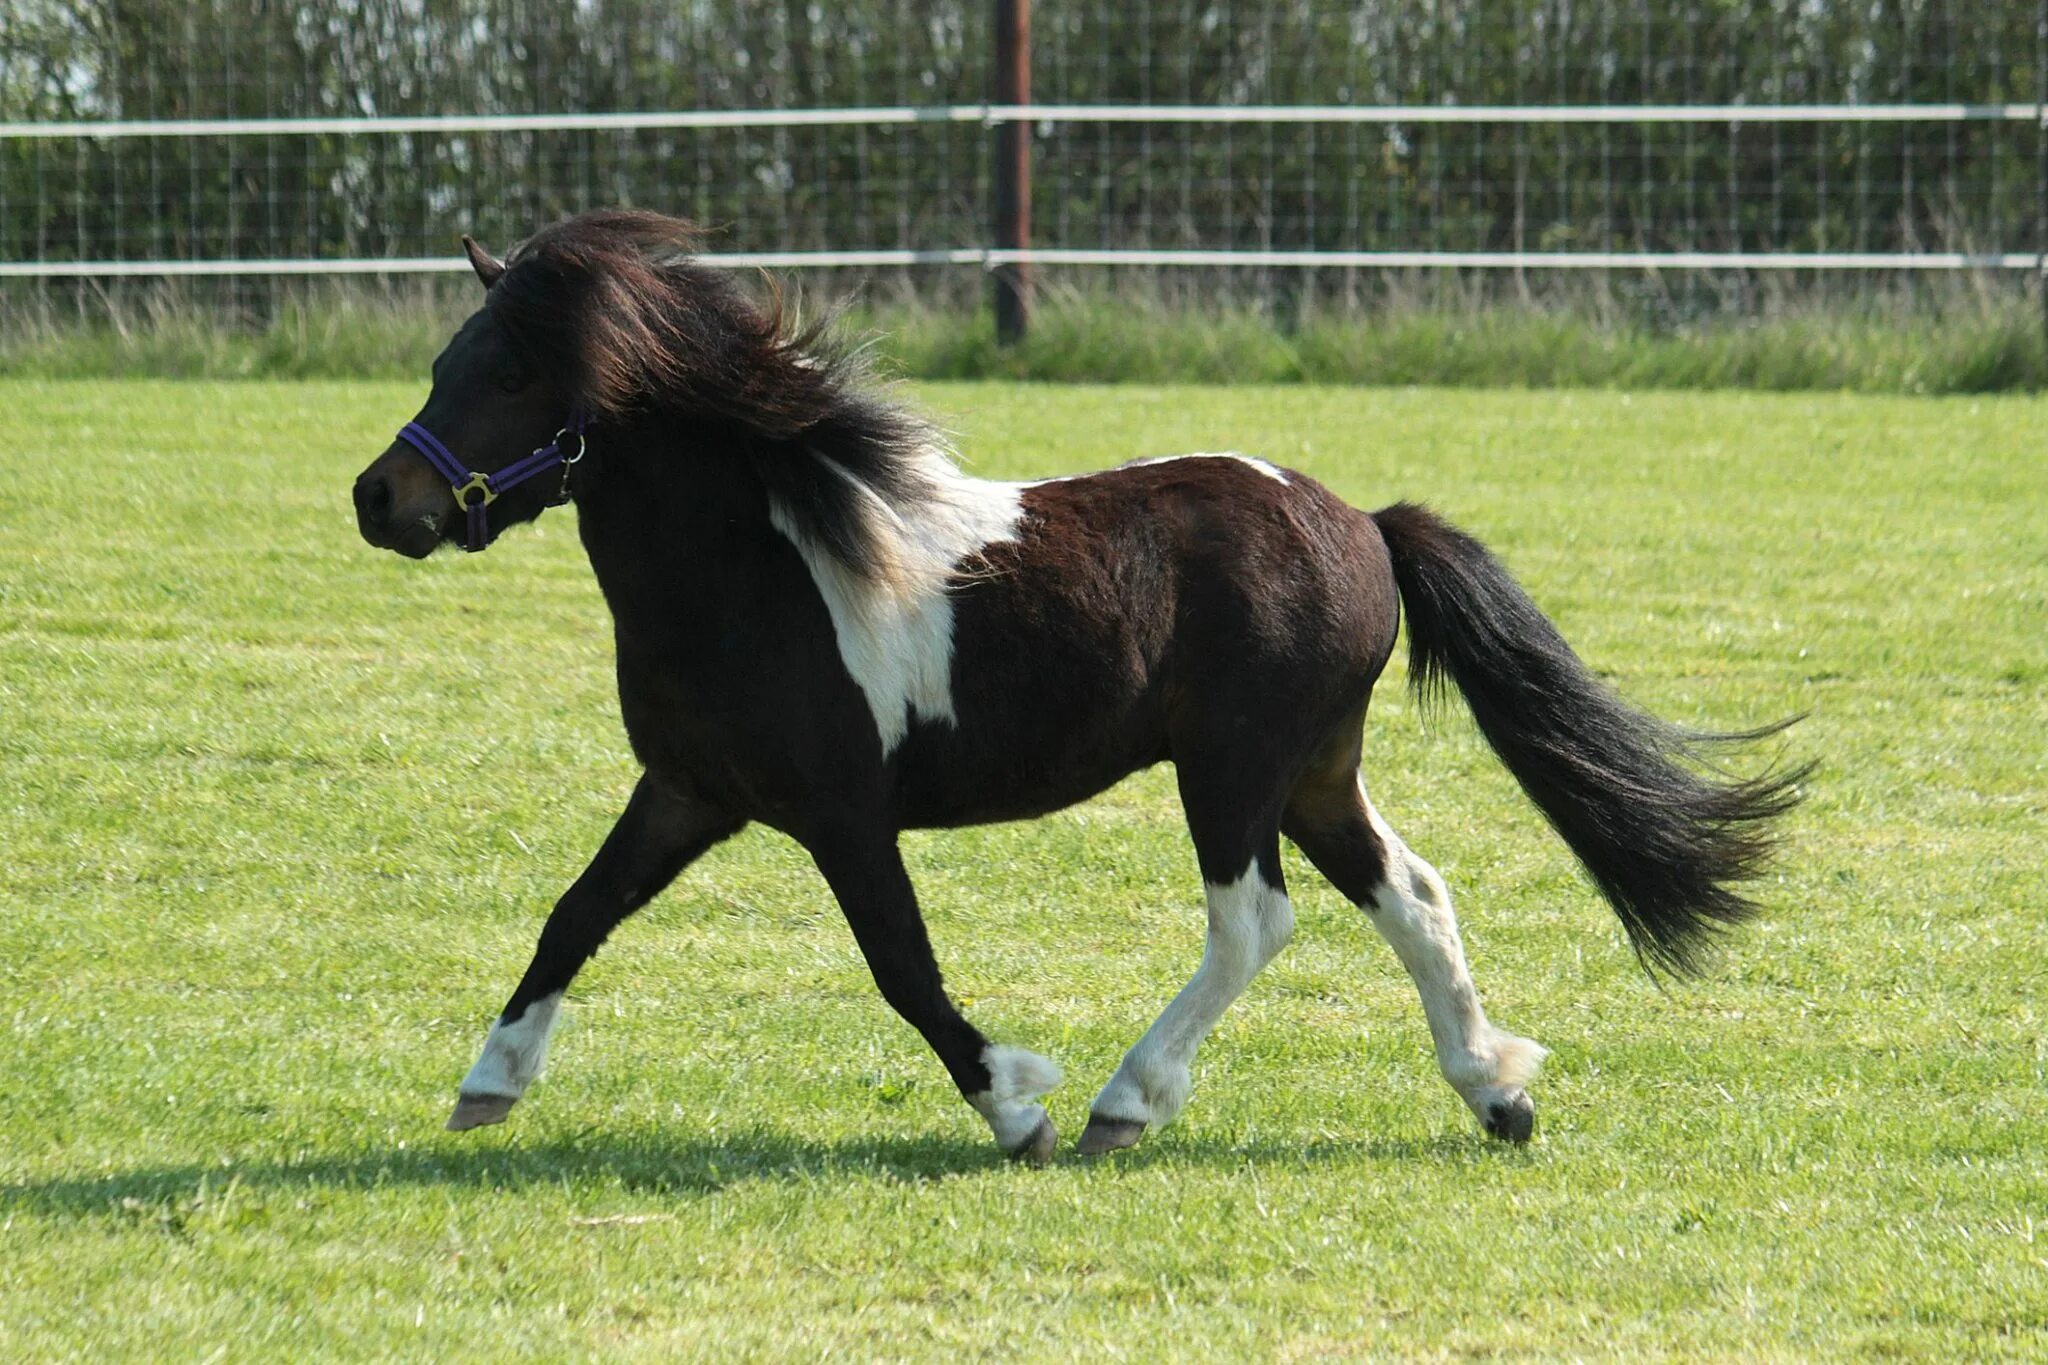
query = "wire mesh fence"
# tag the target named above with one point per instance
(246, 137)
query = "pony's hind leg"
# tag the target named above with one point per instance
(1250, 920)
(1330, 818)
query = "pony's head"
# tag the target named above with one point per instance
(606, 322)
(491, 403)
(592, 320)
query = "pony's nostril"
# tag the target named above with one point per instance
(373, 500)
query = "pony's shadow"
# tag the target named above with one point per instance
(660, 1165)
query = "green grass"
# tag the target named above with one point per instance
(1960, 339)
(281, 816)
(1967, 346)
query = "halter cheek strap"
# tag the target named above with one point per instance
(476, 491)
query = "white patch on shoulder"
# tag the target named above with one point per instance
(1270, 470)
(513, 1052)
(896, 636)
(1016, 1078)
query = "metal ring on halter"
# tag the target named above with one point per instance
(568, 461)
(478, 483)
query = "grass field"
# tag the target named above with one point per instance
(282, 814)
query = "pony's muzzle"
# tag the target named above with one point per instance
(373, 505)
(396, 510)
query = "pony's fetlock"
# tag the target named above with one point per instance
(1016, 1078)
(1493, 1078)
(512, 1057)
(1148, 1090)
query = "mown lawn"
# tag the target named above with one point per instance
(280, 815)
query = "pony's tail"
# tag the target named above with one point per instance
(1664, 842)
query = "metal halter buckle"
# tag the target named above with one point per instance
(478, 483)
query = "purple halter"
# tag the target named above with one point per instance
(463, 482)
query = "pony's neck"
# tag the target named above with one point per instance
(682, 515)
(660, 512)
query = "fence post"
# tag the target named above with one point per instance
(1012, 169)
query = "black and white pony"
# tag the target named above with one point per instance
(824, 626)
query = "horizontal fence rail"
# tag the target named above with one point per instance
(1533, 260)
(1524, 113)
(993, 258)
(628, 121)
(457, 265)
(1732, 116)
(1292, 153)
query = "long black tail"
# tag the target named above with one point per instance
(1664, 842)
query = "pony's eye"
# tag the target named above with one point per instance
(512, 381)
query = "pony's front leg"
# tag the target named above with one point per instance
(661, 832)
(1002, 1083)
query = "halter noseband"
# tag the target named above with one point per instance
(486, 487)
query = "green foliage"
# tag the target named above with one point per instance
(1957, 342)
(342, 339)
(1833, 186)
(282, 816)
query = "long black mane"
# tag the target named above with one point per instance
(613, 303)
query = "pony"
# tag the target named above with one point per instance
(824, 626)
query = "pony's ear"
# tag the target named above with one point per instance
(488, 267)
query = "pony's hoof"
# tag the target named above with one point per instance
(479, 1111)
(1108, 1135)
(1512, 1119)
(1037, 1149)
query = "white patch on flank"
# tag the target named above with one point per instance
(1016, 1078)
(1271, 471)
(1413, 913)
(1249, 922)
(1267, 468)
(896, 634)
(513, 1052)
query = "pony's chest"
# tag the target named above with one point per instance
(747, 709)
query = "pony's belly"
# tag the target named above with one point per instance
(949, 778)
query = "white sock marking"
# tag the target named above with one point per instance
(513, 1053)
(1016, 1078)
(896, 636)
(1482, 1063)
(1249, 922)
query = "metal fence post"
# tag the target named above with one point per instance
(2041, 160)
(1012, 169)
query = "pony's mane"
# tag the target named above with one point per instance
(612, 302)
